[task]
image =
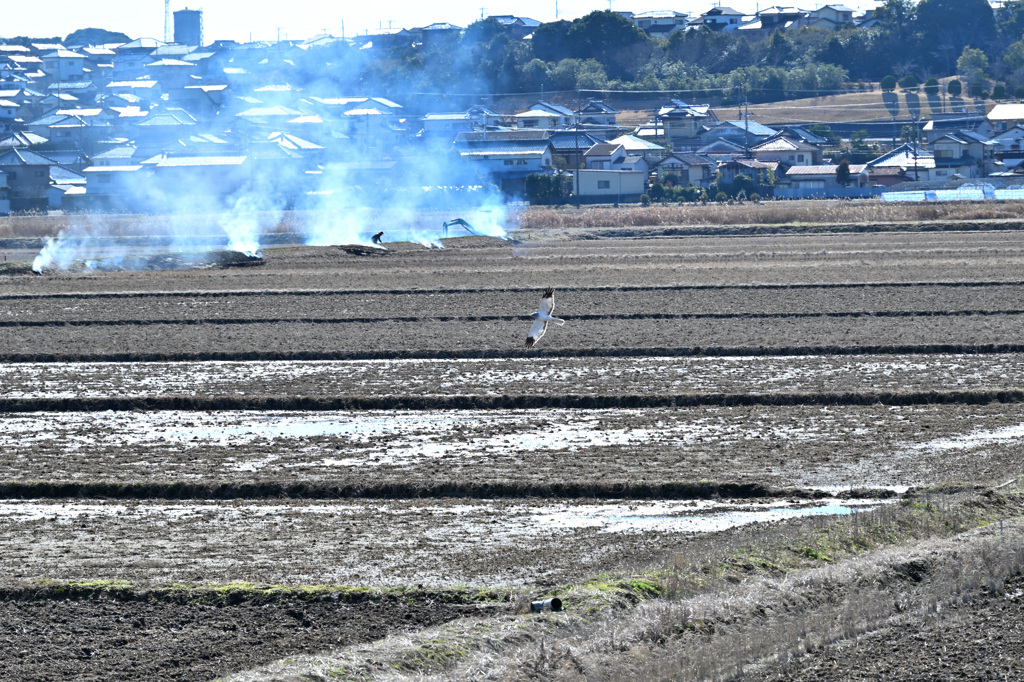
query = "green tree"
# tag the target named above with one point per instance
(999, 91)
(843, 173)
(611, 39)
(888, 84)
(780, 49)
(954, 87)
(1013, 58)
(972, 60)
(550, 41)
(1010, 20)
(896, 18)
(931, 87)
(909, 82)
(949, 26)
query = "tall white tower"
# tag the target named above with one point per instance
(167, 21)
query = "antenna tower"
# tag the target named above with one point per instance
(167, 21)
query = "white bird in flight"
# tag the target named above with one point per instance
(542, 317)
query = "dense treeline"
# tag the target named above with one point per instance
(603, 50)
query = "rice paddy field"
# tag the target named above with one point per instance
(341, 462)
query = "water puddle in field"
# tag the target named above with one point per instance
(973, 440)
(473, 523)
(686, 517)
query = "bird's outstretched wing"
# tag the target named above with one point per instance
(547, 301)
(536, 331)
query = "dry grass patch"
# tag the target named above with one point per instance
(834, 213)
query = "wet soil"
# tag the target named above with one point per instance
(51, 639)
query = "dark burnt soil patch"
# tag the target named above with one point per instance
(104, 639)
(980, 640)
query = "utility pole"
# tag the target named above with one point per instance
(746, 126)
(576, 127)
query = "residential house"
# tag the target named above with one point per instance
(21, 139)
(604, 156)
(752, 168)
(743, 133)
(571, 145)
(911, 160)
(943, 124)
(66, 186)
(692, 169)
(518, 27)
(660, 23)
(8, 114)
(436, 33)
(204, 100)
(820, 180)
(120, 155)
(607, 156)
(830, 17)
(597, 113)
(484, 117)
(1005, 116)
(538, 119)
(382, 38)
(67, 129)
(147, 90)
(964, 154)
(722, 150)
(160, 127)
(223, 174)
(639, 147)
(28, 179)
(616, 186)
(508, 156)
(131, 58)
(545, 115)
(441, 129)
(683, 123)
(1008, 149)
(64, 66)
(116, 188)
(172, 74)
(777, 18)
(719, 19)
(786, 151)
(803, 135)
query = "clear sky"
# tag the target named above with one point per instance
(298, 19)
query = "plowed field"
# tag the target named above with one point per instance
(371, 419)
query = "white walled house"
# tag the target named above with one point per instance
(964, 153)
(64, 66)
(610, 186)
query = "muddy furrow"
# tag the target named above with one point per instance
(495, 318)
(320, 490)
(502, 402)
(486, 290)
(504, 354)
